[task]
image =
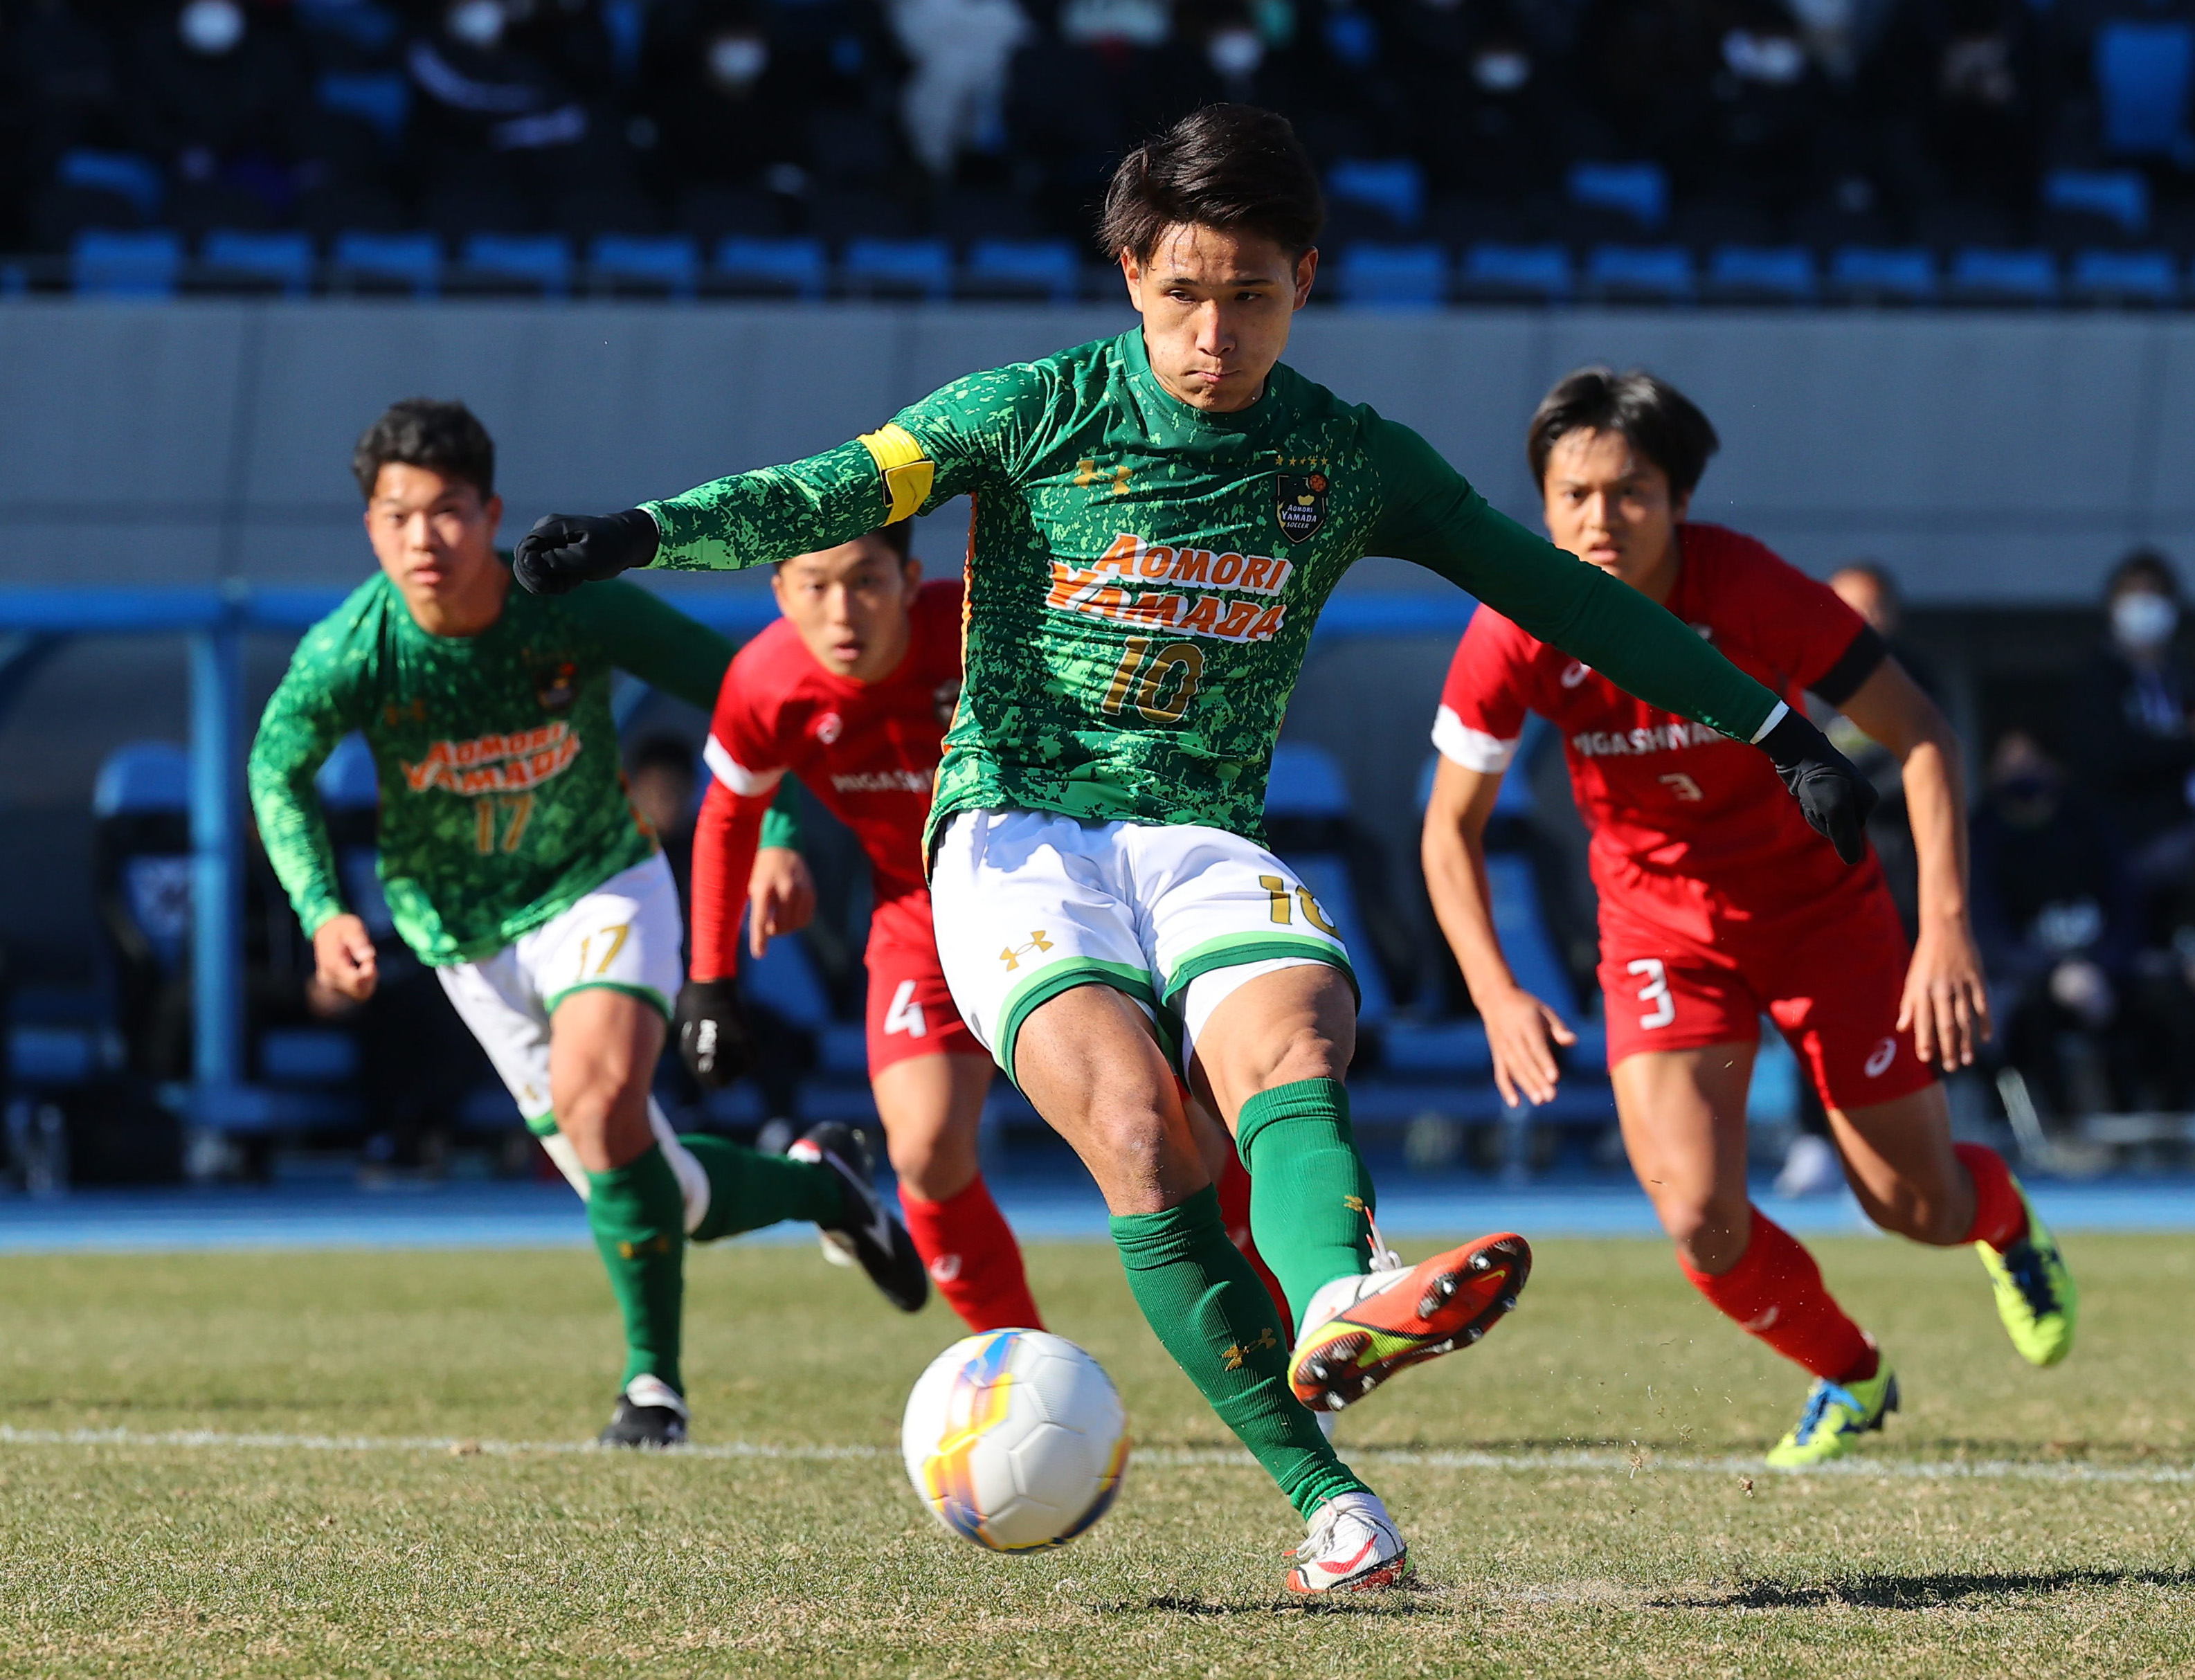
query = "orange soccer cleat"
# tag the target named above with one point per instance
(1360, 1331)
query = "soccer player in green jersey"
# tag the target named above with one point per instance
(514, 866)
(1159, 518)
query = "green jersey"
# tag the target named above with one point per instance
(1144, 577)
(502, 794)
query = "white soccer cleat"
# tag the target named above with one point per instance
(1353, 1546)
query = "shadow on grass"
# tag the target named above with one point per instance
(1916, 1591)
(1406, 1600)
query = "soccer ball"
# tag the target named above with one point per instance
(1015, 1440)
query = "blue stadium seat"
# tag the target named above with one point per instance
(360, 23)
(1641, 274)
(127, 265)
(308, 1055)
(381, 99)
(2143, 73)
(920, 269)
(1496, 271)
(1639, 191)
(1306, 789)
(1392, 277)
(1978, 275)
(1394, 186)
(2119, 196)
(785, 267)
(541, 260)
(146, 787)
(411, 261)
(2124, 277)
(123, 173)
(1883, 274)
(282, 260)
(1044, 268)
(784, 981)
(668, 263)
(1763, 273)
(140, 779)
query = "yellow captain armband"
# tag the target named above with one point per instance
(908, 471)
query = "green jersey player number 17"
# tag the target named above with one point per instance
(1159, 518)
(516, 867)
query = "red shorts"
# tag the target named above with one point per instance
(1830, 975)
(911, 1011)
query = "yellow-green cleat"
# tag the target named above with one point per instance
(2034, 1292)
(1837, 1415)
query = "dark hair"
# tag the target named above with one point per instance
(662, 751)
(1658, 420)
(2144, 565)
(443, 437)
(898, 537)
(1233, 167)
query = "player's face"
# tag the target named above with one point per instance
(1217, 308)
(435, 538)
(1608, 503)
(850, 606)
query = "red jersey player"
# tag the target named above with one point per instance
(850, 691)
(1719, 904)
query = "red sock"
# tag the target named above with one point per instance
(1234, 1210)
(973, 1258)
(1999, 1216)
(1776, 1291)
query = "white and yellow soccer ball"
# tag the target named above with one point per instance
(1015, 1439)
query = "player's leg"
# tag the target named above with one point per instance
(1891, 1124)
(1037, 933)
(930, 1076)
(1261, 985)
(932, 1108)
(1683, 1116)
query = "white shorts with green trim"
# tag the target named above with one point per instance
(626, 935)
(1029, 903)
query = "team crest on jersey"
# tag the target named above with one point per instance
(556, 685)
(1301, 504)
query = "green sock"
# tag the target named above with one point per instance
(1215, 1317)
(748, 1189)
(1309, 1194)
(638, 1217)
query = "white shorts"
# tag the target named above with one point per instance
(1029, 903)
(626, 935)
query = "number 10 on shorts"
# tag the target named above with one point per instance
(1655, 990)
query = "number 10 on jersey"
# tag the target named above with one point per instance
(1159, 684)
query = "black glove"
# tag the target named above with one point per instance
(565, 550)
(713, 1040)
(1836, 797)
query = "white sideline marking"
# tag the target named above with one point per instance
(1895, 1469)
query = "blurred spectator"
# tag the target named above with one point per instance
(2128, 713)
(660, 779)
(2058, 929)
(954, 100)
(730, 109)
(215, 92)
(1486, 105)
(1956, 86)
(483, 102)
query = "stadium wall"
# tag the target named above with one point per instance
(1990, 458)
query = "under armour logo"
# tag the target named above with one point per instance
(1236, 1355)
(634, 1251)
(1012, 955)
(1355, 1204)
(1878, 1064)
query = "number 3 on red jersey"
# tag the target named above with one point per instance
(1655, 990)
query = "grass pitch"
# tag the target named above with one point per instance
(276, 1495)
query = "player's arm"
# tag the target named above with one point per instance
(670, 650)
(308, 713)
(1434, 518)
(1946, 1001)
(1454, 847)
(954, 440)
